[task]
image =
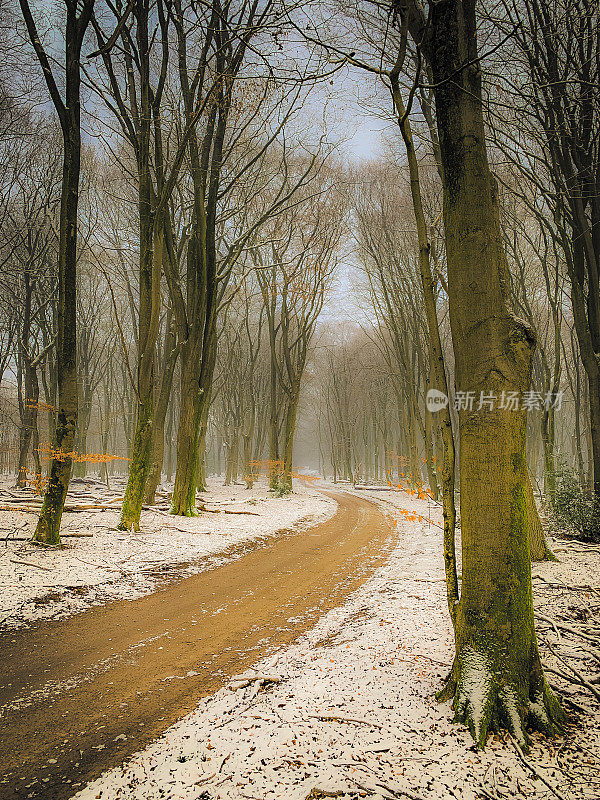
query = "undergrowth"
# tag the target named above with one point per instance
(574, 512)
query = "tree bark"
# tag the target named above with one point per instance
(150, 271)
(170, 354)
(48, 526)
(436, 356)
(497, 676)
(285, 485)
(537, 539)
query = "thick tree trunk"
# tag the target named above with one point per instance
(184, 491)
(497, 677)
(48, 526)
(196, 389)
(141, 452)
(151, 256)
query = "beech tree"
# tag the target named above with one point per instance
(497, 677)
(294, 272)
(77, 18)
(553, 139)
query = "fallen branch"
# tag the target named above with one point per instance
(346, 720)
(202, 507)
(565, 627)
(184, 530)
(30, 564)
(583, 588)
(34, 508)
(554, 789)
(575, 672)
(62, 536)
(262, 680)
(392, 792)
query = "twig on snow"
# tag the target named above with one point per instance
(575, 672)
(392, 792)
(30, 564)
(532, 767)
(346, 720)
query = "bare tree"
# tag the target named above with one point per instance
(77, 17)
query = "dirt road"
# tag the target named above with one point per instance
(78, 696)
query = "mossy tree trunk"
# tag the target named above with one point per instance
(497, 676)
(188, 433)
(141, 451)
(68, 110)
(150, 270)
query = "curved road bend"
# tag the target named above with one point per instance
(70, 689)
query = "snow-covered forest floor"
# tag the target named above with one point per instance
(349, 710)
(101, 563)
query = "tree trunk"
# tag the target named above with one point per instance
(288, 447)
(196, 389)
(188, 432)
(83, 424)
(48, 526)
(28, 407)
(594, 402)
(497, 676)
(436, 357)
(537, 539)
(429, 462)
(577, 443)
(248, 438)
(201, 484)
(160, 413)
(273, 423)
(141, 453)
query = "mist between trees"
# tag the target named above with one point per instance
(195, 278)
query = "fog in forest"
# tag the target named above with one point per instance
(300, 328)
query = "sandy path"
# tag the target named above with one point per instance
(79, 695)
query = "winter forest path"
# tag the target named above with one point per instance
(79, 695)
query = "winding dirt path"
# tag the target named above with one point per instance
(78, 696)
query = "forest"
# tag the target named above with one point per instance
(300, 328)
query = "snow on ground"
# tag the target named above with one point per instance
(350, 710)
(112, 564)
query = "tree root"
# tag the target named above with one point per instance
(487, 700)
